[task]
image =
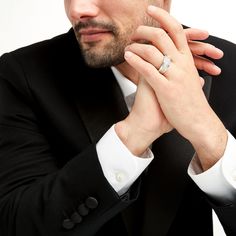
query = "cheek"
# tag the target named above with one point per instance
(129, 16)
(66, 7)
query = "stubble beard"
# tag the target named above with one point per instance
(112, 53)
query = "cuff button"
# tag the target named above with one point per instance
(91, 202)
(68, 224)
(76, 218)
(83, 210)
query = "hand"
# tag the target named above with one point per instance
(200, 49)
(179, 91)
(145, 123)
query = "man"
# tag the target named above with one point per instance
(75, 161)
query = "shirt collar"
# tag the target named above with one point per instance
(127, 86)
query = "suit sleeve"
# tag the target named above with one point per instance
(222, 94)
(37, 196)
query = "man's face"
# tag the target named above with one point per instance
(104, 28)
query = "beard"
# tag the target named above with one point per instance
(112, 52)
(111, 55)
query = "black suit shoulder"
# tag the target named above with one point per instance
(29, 67)
(46, 47)
(20, 63)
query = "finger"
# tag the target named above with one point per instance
(158, 81)
(156, 36)
(147, 70)
(201, 49)
(196, 34)
(170, 25)
(147, 52)
(206, 65)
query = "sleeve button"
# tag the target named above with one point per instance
(76, 218)
(68, 224)
(91, 202)
(83, 210)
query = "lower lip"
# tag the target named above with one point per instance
(87, 38)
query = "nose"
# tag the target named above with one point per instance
(81, 10)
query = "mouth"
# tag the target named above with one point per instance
(89, 35)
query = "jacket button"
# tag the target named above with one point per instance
(83, 210)
(68, 224)
(91, 202)
(76, 218)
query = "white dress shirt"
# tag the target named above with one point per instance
(121, 168)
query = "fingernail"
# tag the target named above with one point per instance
(128, 54)
(152, 8)
(218, 50)
(217, 69)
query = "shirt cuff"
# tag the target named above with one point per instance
(120, 167)
(219, 181)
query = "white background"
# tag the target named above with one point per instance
(26, 21)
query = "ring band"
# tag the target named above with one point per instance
(165, 64)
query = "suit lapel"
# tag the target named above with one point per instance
(100, 102)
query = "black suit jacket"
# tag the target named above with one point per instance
(53, 110)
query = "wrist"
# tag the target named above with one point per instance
(136, 140)
(211, 146)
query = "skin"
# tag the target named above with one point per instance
(127, 35)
